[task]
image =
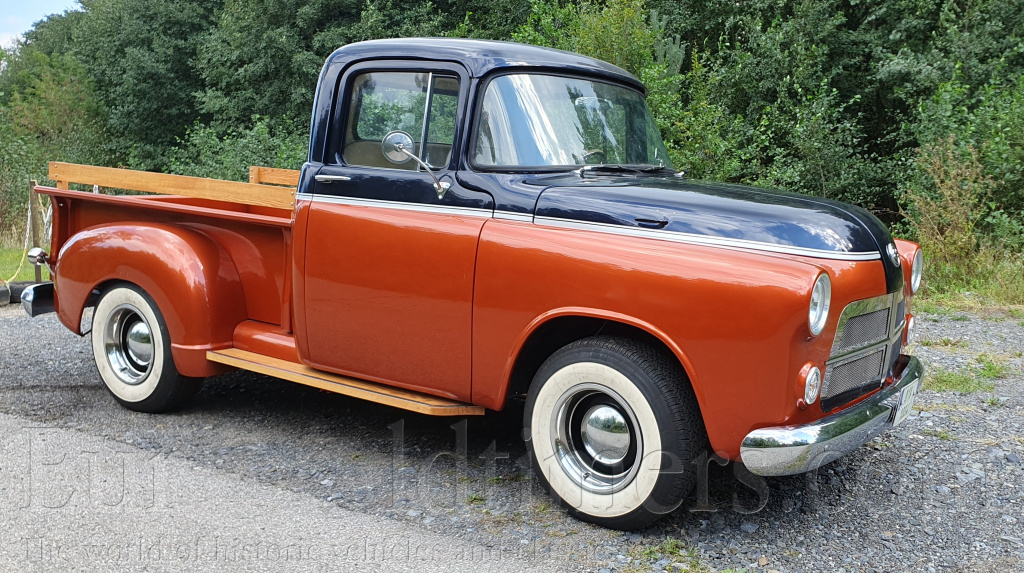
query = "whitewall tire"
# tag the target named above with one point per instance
(614, 427)
(132, 349)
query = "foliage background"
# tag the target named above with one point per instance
(913, 109)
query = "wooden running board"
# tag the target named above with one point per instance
(380, 393)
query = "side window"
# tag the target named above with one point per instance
(424, 105)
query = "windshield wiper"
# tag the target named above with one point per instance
(616, 168)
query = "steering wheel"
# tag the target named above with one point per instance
(593, 156)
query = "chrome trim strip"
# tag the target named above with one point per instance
(600, 227)
(424, 142)
(510, 216)
(705, 240)
(897, 298)
(864, 306)
(399, 205)
(789, 450)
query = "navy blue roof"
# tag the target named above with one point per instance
(482, 56)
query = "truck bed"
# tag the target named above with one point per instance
(246, 225)
(255, 238)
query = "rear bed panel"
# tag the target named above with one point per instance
(209, 266)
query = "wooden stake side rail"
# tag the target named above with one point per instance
(199, 187)
(273, 176)
(380, 393)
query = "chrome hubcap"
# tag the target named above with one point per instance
(605, 434)
(140, 343)
(597, 442)
(128, 342)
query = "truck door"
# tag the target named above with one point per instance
(389, 263)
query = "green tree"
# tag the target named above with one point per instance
(51, 114)
(139, 54)
(263, 56)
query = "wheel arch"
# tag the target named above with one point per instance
(557, 328)
(192, 280)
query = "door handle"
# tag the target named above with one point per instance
(651, 223)
(332, 178)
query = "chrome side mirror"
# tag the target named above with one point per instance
(397, 148)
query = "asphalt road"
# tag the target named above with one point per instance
(261, 474)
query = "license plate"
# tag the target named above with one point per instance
(907, 396)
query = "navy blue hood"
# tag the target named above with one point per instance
(718, 213)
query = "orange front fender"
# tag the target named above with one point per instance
(190, 277)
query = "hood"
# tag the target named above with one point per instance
(717, 214)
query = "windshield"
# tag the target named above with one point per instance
(543, 121)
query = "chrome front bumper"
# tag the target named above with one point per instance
(788, 450)
(38, 299)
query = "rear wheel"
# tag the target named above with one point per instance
(614, 428)
(132, 349)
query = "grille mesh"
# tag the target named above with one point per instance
(853, 374)
(863, 329)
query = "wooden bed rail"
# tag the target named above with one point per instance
(252, 193)
(273, 176)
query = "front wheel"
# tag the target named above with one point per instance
(132, 349)
(614, 428)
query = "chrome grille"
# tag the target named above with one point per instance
(862, 330)
(853, 374)
(868, 341)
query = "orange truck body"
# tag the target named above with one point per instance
(227, 275)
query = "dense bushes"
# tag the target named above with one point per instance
(911, 108)
(206, 153)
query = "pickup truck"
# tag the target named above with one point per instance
(480, 222)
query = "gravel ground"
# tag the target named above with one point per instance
(943, 492)
(70, 501)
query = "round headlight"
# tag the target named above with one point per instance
(821, 297)
(812, 385)
(916, 268)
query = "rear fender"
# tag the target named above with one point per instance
(190, 277)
